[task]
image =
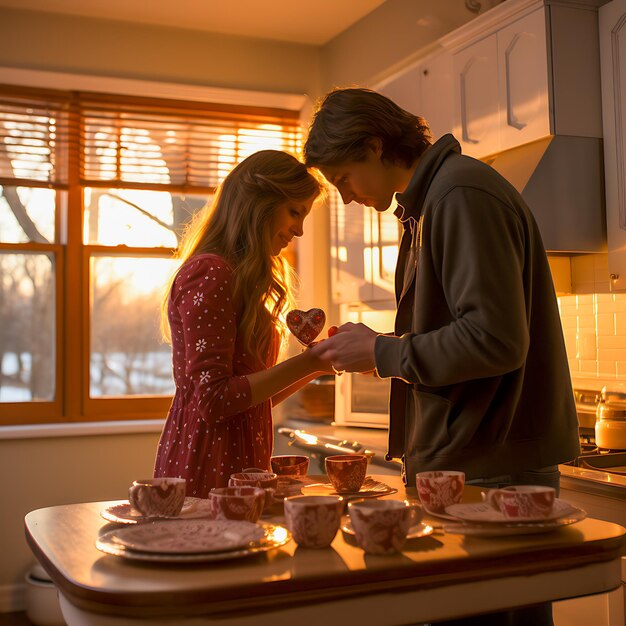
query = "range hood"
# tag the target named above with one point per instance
(561, 178)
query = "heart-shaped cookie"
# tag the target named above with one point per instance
(306, 325)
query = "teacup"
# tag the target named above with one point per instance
(346, 472)
(238, 503)
(313, 520)
(268, 481)
(294, 465)
(158, 497)
(522, 501)
(439, 489)
(381, 526)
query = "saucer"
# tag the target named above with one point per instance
(415, 531)
(485, 513)
(370, 489)
(123, 513)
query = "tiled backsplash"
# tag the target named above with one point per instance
(594, 322)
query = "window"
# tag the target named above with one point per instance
(95, 192)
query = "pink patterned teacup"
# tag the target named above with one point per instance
(381, 526)
(294, 465)
(522, 501)
(346, 472)
(239, 503)
(313, 520)
(439, 489)
(158, 497)
(268, 481)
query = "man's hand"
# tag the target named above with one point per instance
(350, 348)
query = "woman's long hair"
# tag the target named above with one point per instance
(236, 225)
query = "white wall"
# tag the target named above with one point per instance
(35, 473)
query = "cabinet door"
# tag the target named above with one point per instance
(405, 90)
(613, 72)
(523, 80)
(350, 251)
(438, 94)
(476, 98)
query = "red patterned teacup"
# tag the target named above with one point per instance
(239, 503)
(346, 471)
(522, 501)
(381, 526)
(294, 465)
(439, 489)
(158, 497)
(266, 480)
(313, 520)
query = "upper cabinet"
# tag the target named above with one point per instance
(612, 19)
(425, 89)
(501, 86)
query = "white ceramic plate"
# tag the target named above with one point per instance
(193, 508)
(274, 536)
(370, 489)
(521, 528)
(484, 513)
(416, 531)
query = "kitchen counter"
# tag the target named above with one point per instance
(436, 577)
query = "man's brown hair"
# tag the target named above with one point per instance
(347, 120)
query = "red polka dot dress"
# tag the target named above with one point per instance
(211, 430)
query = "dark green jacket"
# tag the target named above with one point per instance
(480, 379)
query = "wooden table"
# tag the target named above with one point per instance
(436, 577)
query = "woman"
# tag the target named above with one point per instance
(224, 316)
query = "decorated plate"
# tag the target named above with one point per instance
(519, 528)
(485, 513)
(185, 550)
(370, 489)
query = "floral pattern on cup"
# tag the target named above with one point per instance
(266, 480)
(294, 465)
(346, 472)
(238, 503)
(157, 497)
(439, 489)
(522, 501)
(313, 520)
(381, 526)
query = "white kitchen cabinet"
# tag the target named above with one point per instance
(436, 87)
(612, 28)
(425, 89)
(523, 81)
(501, 86)
(476, 98)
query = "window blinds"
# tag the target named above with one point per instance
(133, 142)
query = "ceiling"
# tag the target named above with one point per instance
(300, 21)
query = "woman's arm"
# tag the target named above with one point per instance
(285, 393)
(286, 377)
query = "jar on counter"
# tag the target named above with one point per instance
(611, 418)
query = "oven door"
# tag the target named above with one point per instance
(361, 400)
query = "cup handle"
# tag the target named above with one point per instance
(492, 498)
(417, 512)
(134, 501)
(270, 494)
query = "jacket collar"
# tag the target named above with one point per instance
(411, 200)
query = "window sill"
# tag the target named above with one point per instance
(83, 429)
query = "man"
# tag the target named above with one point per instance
(479, 375)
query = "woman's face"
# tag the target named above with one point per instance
(288, 222)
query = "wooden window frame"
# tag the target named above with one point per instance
(72, 402)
